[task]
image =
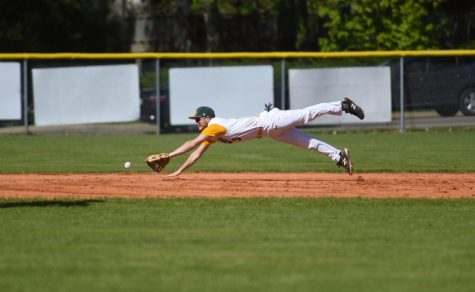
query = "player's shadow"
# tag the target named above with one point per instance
(50, 203)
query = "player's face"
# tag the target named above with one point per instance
(202, 123)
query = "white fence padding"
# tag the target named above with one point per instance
(10, 91)
(369, 87)
(234, 91)
(89, 94)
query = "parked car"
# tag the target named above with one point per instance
(148, 105)
(446, 84)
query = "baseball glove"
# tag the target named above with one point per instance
(158, 161)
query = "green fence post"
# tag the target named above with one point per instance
(282, 84)
(157, 95)
(401, 92)
(25, 96)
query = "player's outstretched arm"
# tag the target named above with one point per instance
(187, 146)
(194, 156)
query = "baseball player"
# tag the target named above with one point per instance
(277, 124)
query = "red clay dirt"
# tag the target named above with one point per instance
(226, 185)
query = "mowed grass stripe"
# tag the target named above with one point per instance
(436, 151)
(237, 244)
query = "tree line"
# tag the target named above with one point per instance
(235, 25)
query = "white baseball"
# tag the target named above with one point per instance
(128, 164)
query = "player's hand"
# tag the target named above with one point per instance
(176, 173)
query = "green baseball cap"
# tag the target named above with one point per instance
(203, 111)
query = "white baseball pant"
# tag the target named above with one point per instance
(280, 125)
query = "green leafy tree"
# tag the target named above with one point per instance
(382, 25)
(58, 25)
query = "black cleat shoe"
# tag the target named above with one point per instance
(345, 161)
(348, 106)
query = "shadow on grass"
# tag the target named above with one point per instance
(50, 203)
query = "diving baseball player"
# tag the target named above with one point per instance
(277, 124)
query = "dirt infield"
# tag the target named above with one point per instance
(221, 185)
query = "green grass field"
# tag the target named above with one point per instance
(239, 244)
(437, 151)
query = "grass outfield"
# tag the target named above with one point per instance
(237, 245)
(436, 151)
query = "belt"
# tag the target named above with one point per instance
(260, 132)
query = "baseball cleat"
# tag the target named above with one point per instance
(348, 106)
(345, 161)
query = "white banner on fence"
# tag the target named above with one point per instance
(10, 91)
(370, 87)
(235, 91)
(82, 95)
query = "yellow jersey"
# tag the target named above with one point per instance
(230, 130)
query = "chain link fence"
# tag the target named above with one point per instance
(438, 87)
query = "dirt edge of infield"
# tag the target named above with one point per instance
(235, 185)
